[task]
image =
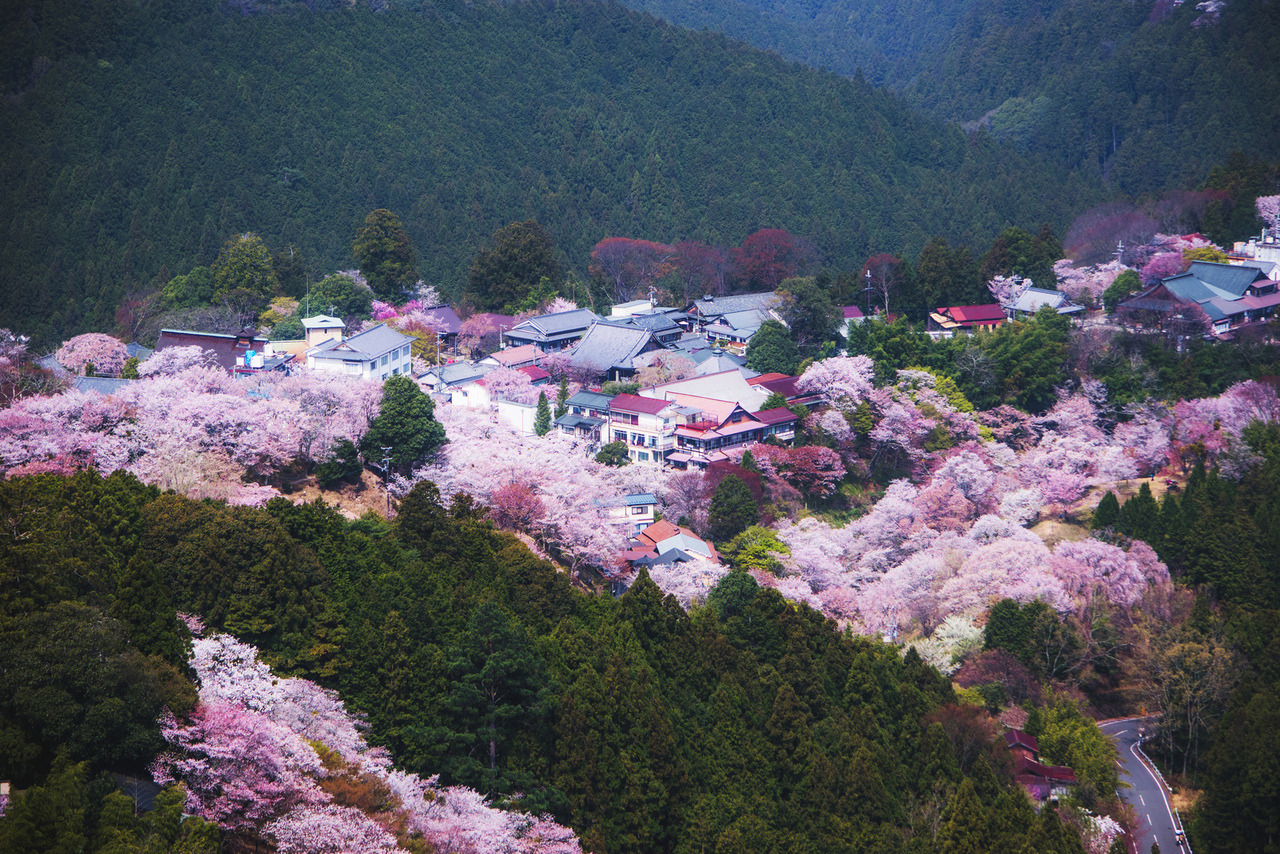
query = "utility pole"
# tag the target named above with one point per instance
(386, 475)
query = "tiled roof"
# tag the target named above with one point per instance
(974, 313)
(610, 345)
(639, 499)
(716, 306)
(657, 323)
(558, 324)
(1233, 278)
(1018, 738)
(657, 532)
(635, 403)
(368, 345)
(852, 312)
(574, 422)
(322, 321)
(534, 373)
(590, 399)
(512, 356)
(781, 415)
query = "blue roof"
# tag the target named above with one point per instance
(638, 499)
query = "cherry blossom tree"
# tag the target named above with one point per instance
(1092, 279)
(688, 581)
(1162, 266)
(106, 354)
(173, 360)
(1269, 210)
(329, 829)
(240, 768)
(843, 381)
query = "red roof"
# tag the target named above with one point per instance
(974, 313)
(1053, 773)
(764, 378)
(852, 312)
(1018, 738)
(534, 373)
(785, 386)
(657, 532)
(636, 403)
(776, 416)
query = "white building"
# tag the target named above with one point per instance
(374, 354)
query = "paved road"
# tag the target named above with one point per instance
(1150, 799)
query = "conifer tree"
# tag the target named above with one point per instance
(733, 509)
(562, 398)
(542, 418)
(1107, 512)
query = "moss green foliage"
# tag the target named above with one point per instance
(244, 264)
(542, 418)
(613, 454)
(405, 424)
(772, 350)
(1038, 73)
(70, 811)
(222, 118)
(756, 548)
(1107, 512)
(338, 295)
(733, 509)
(474, 659)
(343, 465)
(509, 269)
(385, 255)
(1126, 285)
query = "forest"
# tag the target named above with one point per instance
(1146, 96)
(140, 137)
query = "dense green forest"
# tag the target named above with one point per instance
(1145, 95)
(750, 724)
(137, 137)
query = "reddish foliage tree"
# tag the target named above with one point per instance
(998, 667)
(702, 269)
(630, 264)
(769, 256)
(517, 507)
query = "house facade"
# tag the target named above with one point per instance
(374, 354)
(698, 444)
(646, 425)
(551, 332)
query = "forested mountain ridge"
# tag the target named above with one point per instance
(138, 137)
(1151, 95)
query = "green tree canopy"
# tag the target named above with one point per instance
(339, 295)
(773, 349)
(733, 509)
(385, 255)
(244, 264)
(518, 257)
(406, 424)
(810, 313)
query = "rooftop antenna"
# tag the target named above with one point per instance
(386, 475)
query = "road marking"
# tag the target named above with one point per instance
(1144, 803)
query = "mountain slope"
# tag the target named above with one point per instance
(138, 137)
(1151, 94)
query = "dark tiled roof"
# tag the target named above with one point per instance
(1229, 277)
(716, 306)
(558, 324)
(590, 399)
(369, 344)
(610, 345)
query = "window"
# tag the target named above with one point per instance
(643, 456)
(619, 436)
(385, 359)
(638, 511)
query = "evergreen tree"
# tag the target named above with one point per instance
(385, 255)
(562, 398)
(772, 350)
(1107, 512)
(343, 464)
(966, 829)
(542, 418)
(406, 424)
(733, 509)
(519, 256)
(1139, 517)
(244, 264)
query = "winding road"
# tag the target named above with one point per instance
(1148, 795)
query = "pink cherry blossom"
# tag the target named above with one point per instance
(106, 354)
(843, 381)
